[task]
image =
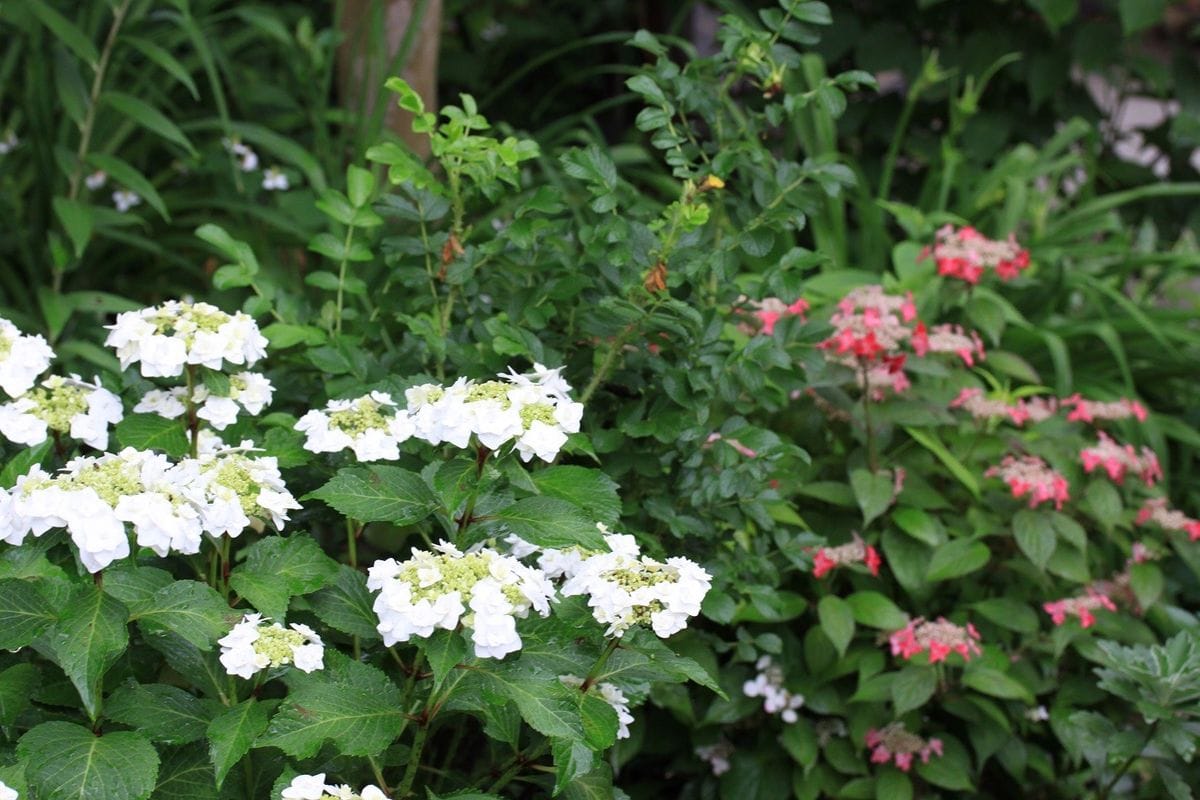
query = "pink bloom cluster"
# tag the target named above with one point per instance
(1031, 475)
(828, 559)
(870, 323)
(1118, 459)
(1157, 511)
(965, 253)
(771, 309)
(948, 339)
(1036, 409)
(1091, 410)
(1081, 606)
(894, 743)
(939, 639)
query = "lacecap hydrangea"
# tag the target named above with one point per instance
(164, 339)
(373, 426)
(253, 645)
(248, 391)
(314, 787)
(22, 358)
(62, 407)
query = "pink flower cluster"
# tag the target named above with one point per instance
(1081, 606)
(870, 323)
(828, 559)
(1157, 511)
(939, 639)
(1031, 475)
(1118, 460)
(965, 253)
(1036, 409)
(894, 743)
(948, 339)
(771, 309)
(1083, 410)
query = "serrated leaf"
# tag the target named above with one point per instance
(589, 489)
(88, 638)
(1035, 536)
(16, 686)
(22, 461)
(598, 720)
(913, 687)
(278, 568)
(892, 784)
(190, 609)
(25, 613)
(550, 522)
(873, 491)
(837, 620)
(68, 762)
(443, 650)
(378, 494)
(233, 733)
(346, 605)
(185, 774)
(545, 703)
(152, 432)
(163, 713)
(571, 760)
(355, 706)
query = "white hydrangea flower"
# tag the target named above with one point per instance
(166, 403)
(768, 684)
(231, 489)
(165, 338)
(372, 426)
(22, 359)
(68, 407)
(274, 180)
(252, 646)
(434, 590)
(625, 588)
(9, 793)
(613, 696)
(313, 787)
(124, 200)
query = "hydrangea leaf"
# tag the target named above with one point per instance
(345, 605)
(190, 609)
(913, 687)
(378, 494)
(232, 734)
(551, 522)
(589, 489)
(163, 713)
(152, 432)
(443, 650)
(89, 637)
(277, 568)
(1035, 536)
(544, 702)
(25, 613)
(16, 685)
(185, 774)
(837, 620)
(66, 761)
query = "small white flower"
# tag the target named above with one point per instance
(1038, 714)
(9, 142)
(305, 787)
(768, 684)
(252, 646)
(247, 159)
(68, 407)
(96, 180)
(168, 403)
(274, 180)
(22, 359)
(124, 199)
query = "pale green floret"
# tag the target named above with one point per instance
(458, 575)
(364, 416)
(58, 405)
(277, 644)
(199, 320)
(233, 473)
(111, 480)
(237, 385)
(650, 574)
(490, 390)
(537, 412)
(5, 346)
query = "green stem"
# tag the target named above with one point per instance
(352, 531)
(893, 151)
(464, 521)
(871, 457)
(599, 665)
(342, 277)
(1108, 787)
(518, 764)
(226, 543)
(379, 780)
(193, 423)
(414, 755)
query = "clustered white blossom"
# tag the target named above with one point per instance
(611, 695)
(253, 645)
(625, 588)
(96, 180)
(275, 180)
(768, 684)
(66, 406)
(124, 199)
(313, 787)
(162, 339)
(22, 359)
(169, 505)
(372, 426)
(435, 590)
(246, 157)
(248, 391)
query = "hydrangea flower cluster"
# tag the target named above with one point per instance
(1081, 607)
(1030, 475)
(248, 391)
(611, 695)
(625, 588)
(768, 684)
(1035, 409)
(163, 339)
(1083, 410)
(939, 639)
(253, 645)
(314, 787)
(372, 426)
(169, 505)
(65, 406)
(1118, 460)
(895, 744)
(22, 358)
(1157, 511)
(717, 755)
(857, 551)
(435, 590)
(966, 254)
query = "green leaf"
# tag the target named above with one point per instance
(185, 774)
(550, 522)
(25, 613)
(1137, 15)
(148, 117)
(89, 637)
(837, 620)
(360, 185)
(163, 713)
(76, 219)
(378, 494)
(345, 605)
(352, 704)
(913, 687)
(1146, 580)
(278, 568)
(995, 683)
(191, 609)
(951, 770)
(1008, 613)
(933, 445)
(66, 32)
(126, 174)
(571, 760)
(589, 489)
(919, 524)
(21, 463)
(1056, 13)
(443, 650)
(957, 558)
(233, 733)
(544, 702)
(1104, 501)
(892, 784)
(876, 611)
(873, 491)
(165, 60)
(152, 432)
(68, 762)
(1035, 536)
(16, 686)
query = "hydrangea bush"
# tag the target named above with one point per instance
(550, 478)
